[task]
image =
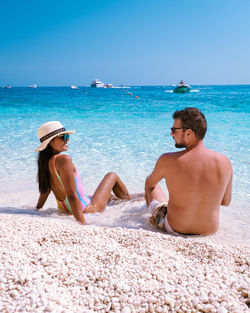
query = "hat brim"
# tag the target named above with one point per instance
(45, 143)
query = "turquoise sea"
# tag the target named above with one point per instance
(119, 132)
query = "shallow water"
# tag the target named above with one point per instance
(118, 132)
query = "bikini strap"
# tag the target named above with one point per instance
(54, 163)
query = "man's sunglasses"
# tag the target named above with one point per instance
(173, 129)
(64, 137)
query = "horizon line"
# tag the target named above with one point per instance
(117, 86)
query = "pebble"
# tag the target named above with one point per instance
(49, 308)
(14, 294)
(126, 310)
(203, 297)
(222, 309)
(125, 288)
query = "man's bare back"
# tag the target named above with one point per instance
(198, 180)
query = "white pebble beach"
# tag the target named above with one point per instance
(52, 264)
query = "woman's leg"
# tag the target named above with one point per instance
(111, 181)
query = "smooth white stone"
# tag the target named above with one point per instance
(126, 288)
(14, 294)
(221, 309)
(49, 308)
(126, 310)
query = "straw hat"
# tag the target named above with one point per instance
(49, 131)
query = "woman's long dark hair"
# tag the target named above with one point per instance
(43, 174)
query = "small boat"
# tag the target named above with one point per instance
(182, 88)
(7, 87)
(74, 87)
(33, 86)
(108, 86)
(97, 83)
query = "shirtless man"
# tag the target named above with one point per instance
(198, 180)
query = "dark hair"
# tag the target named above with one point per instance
(192, 118)
(43, 174)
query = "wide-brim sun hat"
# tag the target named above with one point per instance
(49, 131)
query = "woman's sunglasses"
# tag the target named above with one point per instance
(64, 137)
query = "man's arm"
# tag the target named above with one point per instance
(154, 178)
(42, 199)
(226, 200)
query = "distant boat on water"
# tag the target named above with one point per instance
(74, 87)
(33, 86)
(182, 88)
(7, 87)
(108, 86)
(97, 83)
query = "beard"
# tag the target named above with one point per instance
(180, 145)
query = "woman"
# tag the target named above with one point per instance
(58, 173)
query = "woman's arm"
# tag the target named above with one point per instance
(42, 199)
(65, 169)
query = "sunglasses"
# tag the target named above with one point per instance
(173, 129)
(64, 137)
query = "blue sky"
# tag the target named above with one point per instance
(158, 42)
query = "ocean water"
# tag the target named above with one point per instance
(119, 132)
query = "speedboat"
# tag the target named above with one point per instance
(182, 88)
(74, 87)
(33, 86)
(7, 87)
(97, 83)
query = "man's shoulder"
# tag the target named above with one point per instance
(219, 155)
(172, 154)
(221, 159)
(169, 157)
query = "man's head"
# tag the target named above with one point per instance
(187, 121)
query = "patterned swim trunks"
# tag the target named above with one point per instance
(159, 212)
(159, 216)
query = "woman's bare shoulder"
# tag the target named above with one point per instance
(64, 157)
(61, 160)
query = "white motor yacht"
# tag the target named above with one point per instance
(33, 86)
(74, 87)
(97, 83)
